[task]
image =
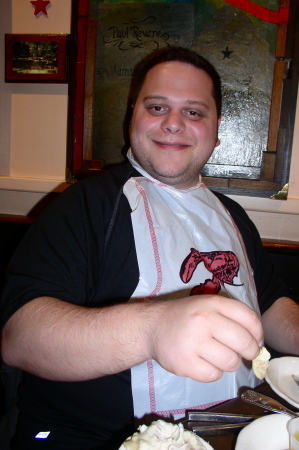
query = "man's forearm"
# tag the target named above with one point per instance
(198, 337)
(61, 341)
(281, 326)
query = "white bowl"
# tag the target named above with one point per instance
(279, 377)
(267, 433)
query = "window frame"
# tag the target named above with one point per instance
(276, 159)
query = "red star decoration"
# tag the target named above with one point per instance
(40, 6)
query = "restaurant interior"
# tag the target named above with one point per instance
(45, 127)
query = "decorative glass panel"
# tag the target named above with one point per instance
(240, 45)
(252, 43)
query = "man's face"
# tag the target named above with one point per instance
(174, 124)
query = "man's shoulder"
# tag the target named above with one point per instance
(88, 195)
(238, 213)
(116, 175)
(228, 202)
(104, 184)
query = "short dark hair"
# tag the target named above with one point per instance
(176, 54)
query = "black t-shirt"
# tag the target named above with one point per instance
(81, 250)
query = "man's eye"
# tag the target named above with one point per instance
(194, 115)
(156, 109)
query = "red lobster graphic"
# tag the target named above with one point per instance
(223, 265)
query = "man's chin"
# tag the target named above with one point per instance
(179, 180)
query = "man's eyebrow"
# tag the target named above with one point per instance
(197, 103)
(189, 102)
(155, 97)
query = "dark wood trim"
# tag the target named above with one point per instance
(289, 98)
(268, 161)
(277, 87)
(241, 183)
(90, 66)
(278, 76)
(16, 218)
(284, 246)
(282, 32)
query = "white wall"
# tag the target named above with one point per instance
(33, 127)
(33, 117)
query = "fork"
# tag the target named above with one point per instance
(267, 403)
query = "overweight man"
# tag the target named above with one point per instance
(139, 293)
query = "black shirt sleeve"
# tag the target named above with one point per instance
(50, 259)
(63, 253)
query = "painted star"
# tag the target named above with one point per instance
(226, 52)
(40, 6)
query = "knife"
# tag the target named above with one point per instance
(214, 429)
(210, 416)
(219, 423)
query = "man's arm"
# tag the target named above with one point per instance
(197, 337)
(281, 326)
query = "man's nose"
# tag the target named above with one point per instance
(173, 122)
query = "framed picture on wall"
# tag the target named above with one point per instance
(36, 58)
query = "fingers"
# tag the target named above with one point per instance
(188, 362)
(221, 356)
(237, 326)
(243, 315)
(207, 366)
(238, 337)
(201, 370)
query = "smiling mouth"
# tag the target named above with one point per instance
(171, 145)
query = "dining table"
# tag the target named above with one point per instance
(227, 440)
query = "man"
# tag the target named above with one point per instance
(97, 309)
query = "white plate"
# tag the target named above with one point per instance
(279, 377)
(267, 433)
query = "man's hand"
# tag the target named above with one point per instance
(202, 336)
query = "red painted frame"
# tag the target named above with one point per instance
(62, 52)
(83, 15)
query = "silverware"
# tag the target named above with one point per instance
(208, 430)
(266, 402)
(210, 416)
(296, 379)
(208, 422)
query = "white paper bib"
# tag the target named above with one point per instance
(185, 243)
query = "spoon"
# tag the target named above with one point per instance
(296, 379)
(266, 402)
